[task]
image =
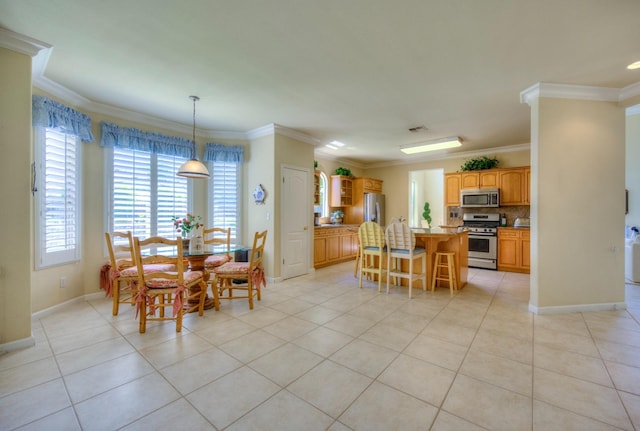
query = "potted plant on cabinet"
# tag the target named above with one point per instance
(426, 215)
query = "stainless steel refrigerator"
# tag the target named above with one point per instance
(374, 208)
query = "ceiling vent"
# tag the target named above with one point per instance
(417, 129)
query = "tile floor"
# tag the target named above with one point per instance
(317, 353)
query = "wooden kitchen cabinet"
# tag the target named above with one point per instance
(514, 250)
(333, 245)
(479, 179)
(512, 187)
(527, 186)
(370, 185)
(452, 185)
(341, 191)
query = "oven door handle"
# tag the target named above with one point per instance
(482, 234)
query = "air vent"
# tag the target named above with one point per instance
(417, 129)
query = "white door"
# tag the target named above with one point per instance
(295, 222)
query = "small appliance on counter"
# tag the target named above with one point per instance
(522, 222)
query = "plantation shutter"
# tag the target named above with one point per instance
(224, 186)
(58, 198)
(147, 193)
(172, 194)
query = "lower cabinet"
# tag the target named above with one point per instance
(333, 245)
(514, 250)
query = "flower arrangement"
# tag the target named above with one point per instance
(185, 225)
(337, 216)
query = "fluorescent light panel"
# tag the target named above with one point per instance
(634, 65)
(439, 144)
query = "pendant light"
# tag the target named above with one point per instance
(193, 168)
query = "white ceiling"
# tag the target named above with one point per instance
(359, 71)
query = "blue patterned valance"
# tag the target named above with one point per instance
(150, 142)
(223, 153)
(55, 115)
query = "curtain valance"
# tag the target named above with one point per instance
(223, 153)
(55, 115)
(150, 142)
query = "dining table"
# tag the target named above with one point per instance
(197, 263)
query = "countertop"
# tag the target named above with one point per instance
(330, 225)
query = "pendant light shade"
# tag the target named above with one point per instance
(193, 168)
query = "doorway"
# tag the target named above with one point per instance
(426, 185)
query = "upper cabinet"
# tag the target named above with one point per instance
(479, 179)
(452, 187)
(370, 185)
(514, 184)
(512, 187)
(341, 191)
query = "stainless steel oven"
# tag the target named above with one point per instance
(483, 239)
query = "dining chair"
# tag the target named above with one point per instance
(372, 251)
(158, 290)
(217, 236)
(122, 272)
(251, 274)
(401, 245)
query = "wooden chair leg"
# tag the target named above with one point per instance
(115, 290)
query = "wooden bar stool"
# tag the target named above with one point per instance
(445, 261)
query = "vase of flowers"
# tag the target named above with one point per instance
(337, 216)
(188, 227)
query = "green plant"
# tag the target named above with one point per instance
(186, 224)
(343, 171)
(315, 164)
(426, 214)
(479, 163)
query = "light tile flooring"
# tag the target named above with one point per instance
(318, 353)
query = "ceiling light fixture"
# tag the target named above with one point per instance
(439, 144)
(331, 146)
(193, 168)
(337, 144)
(634, 65)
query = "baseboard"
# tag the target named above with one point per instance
(17, 345)
(556, 309)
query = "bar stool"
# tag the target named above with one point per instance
(445, 260)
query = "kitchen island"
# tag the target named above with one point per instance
(437, 239)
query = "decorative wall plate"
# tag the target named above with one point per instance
(258, 194)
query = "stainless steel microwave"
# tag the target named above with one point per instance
(479, 198)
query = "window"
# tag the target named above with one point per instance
(224, 197)
(58, 205)
(145, 192)
(324, 194)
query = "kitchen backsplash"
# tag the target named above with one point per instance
(454, 214)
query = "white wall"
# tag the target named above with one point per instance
(578, 159)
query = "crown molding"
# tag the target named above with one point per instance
(630, 91)
(20, 43)
(579, 92)
(567, 91)
(276, 129)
